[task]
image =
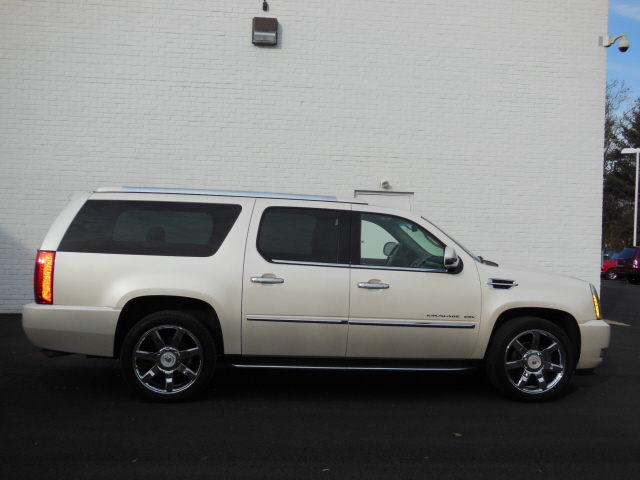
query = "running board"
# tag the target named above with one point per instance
(376, 364)
(397, 369)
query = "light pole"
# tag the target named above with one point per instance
(635, 208)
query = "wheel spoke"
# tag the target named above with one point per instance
(192, 352)
(147, 377)
(187, 372)
(157, 339)
(552, 367)
(535, 342)
(546, 353)
(168, 381)
(177, 337)
(145, 355)
(515, 364)
(541, 381)
(519, 348)
(523, 380)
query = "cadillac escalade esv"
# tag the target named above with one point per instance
(175, 281)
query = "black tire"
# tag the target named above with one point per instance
(611, 274)
(168, 357)
(527, 372)
(633, 280)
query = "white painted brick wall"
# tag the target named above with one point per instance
(490, 111)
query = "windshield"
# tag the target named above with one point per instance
(469, 252)
(616, 256)
(628, 253)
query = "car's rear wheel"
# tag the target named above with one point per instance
(611, 274)
(168, 356)
(530, 359)
(633, 280)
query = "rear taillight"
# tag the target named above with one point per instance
(43, 278)
(635, 264)
(596, 300)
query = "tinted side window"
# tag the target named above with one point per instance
(128, 227)
(304, 235)
(411, 246)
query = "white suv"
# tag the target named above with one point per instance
(175, 281)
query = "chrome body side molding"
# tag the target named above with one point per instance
(412, 324)
(256, 318)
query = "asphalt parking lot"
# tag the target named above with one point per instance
(73, 417)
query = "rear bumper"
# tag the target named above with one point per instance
(595, 336)
(64, 328)
(628, 271)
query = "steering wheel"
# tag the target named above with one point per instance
(393, 254)
(425, 262)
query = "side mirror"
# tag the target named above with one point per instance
(450, 258)
(388, 248)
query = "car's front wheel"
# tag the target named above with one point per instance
(168, 356)
(530, 359)
(611, 274)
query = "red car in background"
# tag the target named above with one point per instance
(609, 266)
(629, 264)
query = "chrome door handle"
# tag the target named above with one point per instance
(372, 285)
(267, 280)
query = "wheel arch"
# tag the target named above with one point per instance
(139, 307)
(560, 318)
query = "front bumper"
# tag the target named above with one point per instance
(65, 328)
(595, 336)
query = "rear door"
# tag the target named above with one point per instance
(296, 279)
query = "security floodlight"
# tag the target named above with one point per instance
(265, 31)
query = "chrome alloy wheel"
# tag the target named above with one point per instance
(167, 359)
(534, 361)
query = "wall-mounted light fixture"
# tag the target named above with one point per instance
(265, 31)
(607, 41)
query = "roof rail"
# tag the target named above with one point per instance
(227, 193)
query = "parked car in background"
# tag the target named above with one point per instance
(609, 252)
(628, 264)
(609, 267)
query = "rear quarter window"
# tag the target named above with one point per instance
(128, 227)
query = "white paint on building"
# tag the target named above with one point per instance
(491, 112)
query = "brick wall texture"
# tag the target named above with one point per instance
(490, 111)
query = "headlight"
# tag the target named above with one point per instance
(596, 300)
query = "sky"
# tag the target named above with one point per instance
(624, 17)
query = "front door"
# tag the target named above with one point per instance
(403, 304)
(296, 279)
